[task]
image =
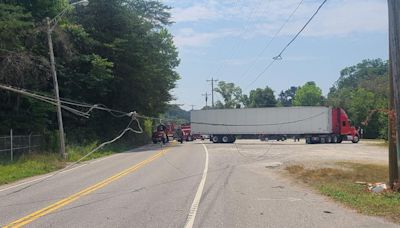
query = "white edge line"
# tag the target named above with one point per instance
(197, 198)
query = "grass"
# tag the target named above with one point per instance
(27, 166)
(376, 142)
(36, 164)
(77, 152)
(339, 184)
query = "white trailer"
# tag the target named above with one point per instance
(224, 124)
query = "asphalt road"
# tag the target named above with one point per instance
(183, 185)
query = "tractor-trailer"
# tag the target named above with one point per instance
(315, 124)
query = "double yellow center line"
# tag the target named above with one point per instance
(42, 212)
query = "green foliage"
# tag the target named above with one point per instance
(148, 127)
(76, 152)
(286, 97)
(360, 90)
(174, 112)
(260, 98)
(27, 166)
(41, 8)
(15, 25)
(117, 53)
(308, 95)
(231, 94)
(339, 184)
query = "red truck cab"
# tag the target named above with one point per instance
(341, 126)
(187, 132)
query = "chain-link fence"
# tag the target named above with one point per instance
(13, 146)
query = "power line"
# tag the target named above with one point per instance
(90, 107)
(262, 72)
(301, 30)
(279, 56)
(127, 129)
(272, 39)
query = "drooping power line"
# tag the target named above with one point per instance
(271, 40)
(279, 56)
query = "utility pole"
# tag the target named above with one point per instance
(56, 90)
(393, 166)
(206, 96)
(192, 106)
(212, 90)
(394, 61)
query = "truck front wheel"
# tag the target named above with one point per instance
(356, 139)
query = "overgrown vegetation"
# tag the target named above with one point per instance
(118, 53)
(33, 164)
(29, 165)
(340, 184)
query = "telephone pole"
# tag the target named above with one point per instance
(192, 106)
(212, 90)
(393, 166)
(394, 72)
(56, 90)
(206, 96)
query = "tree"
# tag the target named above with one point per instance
(231, 94)
(286, 97)
(260, 98)
(118, 53)
(361, 90)
(308, 95)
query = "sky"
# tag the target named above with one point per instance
(235, 40)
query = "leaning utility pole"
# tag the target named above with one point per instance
(394, 61)
(206, 96)
(56, 91)
(212, 89)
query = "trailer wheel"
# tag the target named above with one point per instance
(334, 139)
(328, 139)
(308, 140)
(215, 139)
(323, 140)
(233, 139)
(225, 139)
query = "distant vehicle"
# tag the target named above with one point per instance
(315, 124)
(187, 132)
(170, 130)
(179, 135)
(160, 134)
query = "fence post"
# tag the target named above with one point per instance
(11, 145)
(29, 143)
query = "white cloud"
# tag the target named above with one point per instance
(187, 37)
(194, 13)
(351, 17)
(343, 18)
(260, 17)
